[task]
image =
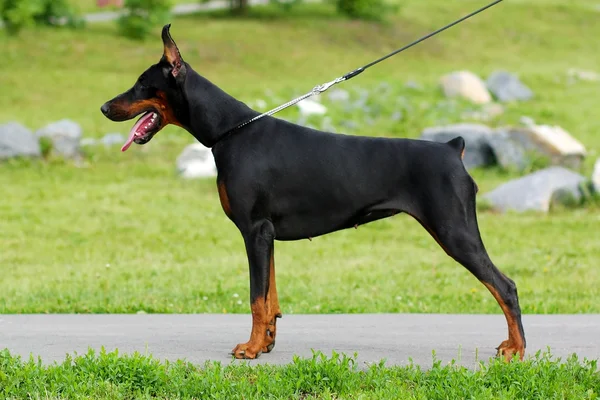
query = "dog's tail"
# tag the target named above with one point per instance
(458, 144)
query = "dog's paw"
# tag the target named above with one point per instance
(507, 349)
(247, 351)
(267, 348)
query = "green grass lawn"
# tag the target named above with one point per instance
(113, 376)
(123, 234)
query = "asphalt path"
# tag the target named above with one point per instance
(393, 337)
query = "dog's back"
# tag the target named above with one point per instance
(309, 181)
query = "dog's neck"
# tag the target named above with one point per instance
(212, 112)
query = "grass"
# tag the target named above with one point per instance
(106, 242)
(108, 375)
(122, 233)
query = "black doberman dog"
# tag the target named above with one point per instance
(281, 181)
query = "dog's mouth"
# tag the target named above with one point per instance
(144, 129)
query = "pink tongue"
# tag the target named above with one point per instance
(133, 131)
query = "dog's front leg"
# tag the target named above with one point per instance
(263, 299)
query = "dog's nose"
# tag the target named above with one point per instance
(104, 108)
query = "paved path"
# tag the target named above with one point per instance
(179, 9)
(395, 337)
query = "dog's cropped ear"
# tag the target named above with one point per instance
(171, 53)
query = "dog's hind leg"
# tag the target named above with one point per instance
(452, 221)
(263, 294)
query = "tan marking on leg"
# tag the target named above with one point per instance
(273, 310)
(514, 344)
(253, 348)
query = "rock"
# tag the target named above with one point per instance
(596, 177)
(537, 191)
(338, 95)
(88, 142)
(552, 142)
(514, 147)
(396, 116)
(583, 75)
(467, 85)
(18, 141)
(113, 139)
(65, 136)
(309, 107)
(196, 161)
(511, 147)
(477, 149)
(349, 124)
(508, 150)
(413, 85)
(507, 87)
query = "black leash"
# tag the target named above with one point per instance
(322, 88)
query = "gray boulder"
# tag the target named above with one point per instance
(413, 85)
(17, 141)
(477, 149)
(86, 142)
(65, 136)
(113, 139)
(551, 142)
(596, 177)
(196, 161)
(507, 87)
(511, 147)
(537, 191)
(508, 150)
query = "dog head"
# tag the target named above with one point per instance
(157, 95)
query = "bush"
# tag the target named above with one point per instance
(143, 15)
(53, 12)
(364, 9)
(19, 14)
